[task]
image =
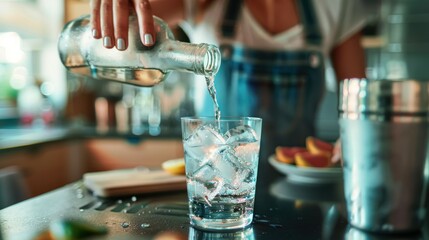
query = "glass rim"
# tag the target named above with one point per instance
(222, 119)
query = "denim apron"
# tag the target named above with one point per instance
(284, 88)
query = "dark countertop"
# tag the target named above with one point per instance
(283, 210)
(276, 213)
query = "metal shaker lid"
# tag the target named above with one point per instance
(383, 97)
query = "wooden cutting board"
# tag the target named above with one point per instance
(132, 181)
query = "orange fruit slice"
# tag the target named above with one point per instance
(317, 146)
(287, 154)
(307, 159)
(174, 166)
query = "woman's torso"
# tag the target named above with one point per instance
(240, 86)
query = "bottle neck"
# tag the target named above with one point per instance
(202, 59)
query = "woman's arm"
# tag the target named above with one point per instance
(348, 58)
(171, 11)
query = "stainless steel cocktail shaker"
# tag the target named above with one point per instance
(384, 137)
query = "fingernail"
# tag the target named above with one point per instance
(148, 40)
(94, 33)
(120, 44)
(107, 42)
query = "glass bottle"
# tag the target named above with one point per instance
(138, 65)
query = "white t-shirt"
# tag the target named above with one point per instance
(337, 19)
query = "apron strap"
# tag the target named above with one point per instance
(230, 18)
(306, 13)
(309, 20)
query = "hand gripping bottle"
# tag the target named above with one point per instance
(138, 65)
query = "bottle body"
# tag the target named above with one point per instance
(138, 64)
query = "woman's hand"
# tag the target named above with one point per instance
(109, 20)
(336, 156)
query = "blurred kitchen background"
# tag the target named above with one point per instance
(36, 91)
(55, 126)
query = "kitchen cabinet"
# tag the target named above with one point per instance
(50, 165)
(47, 166)
(117, 153)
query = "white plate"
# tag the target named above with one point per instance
(307, 174)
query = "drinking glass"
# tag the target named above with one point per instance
(221, 159)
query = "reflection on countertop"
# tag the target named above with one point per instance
(284, 188)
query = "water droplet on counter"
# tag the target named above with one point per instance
(276, 225)
(77, 185)
(262, 220)
(387, 227)
(125, 225)
(145, 225)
